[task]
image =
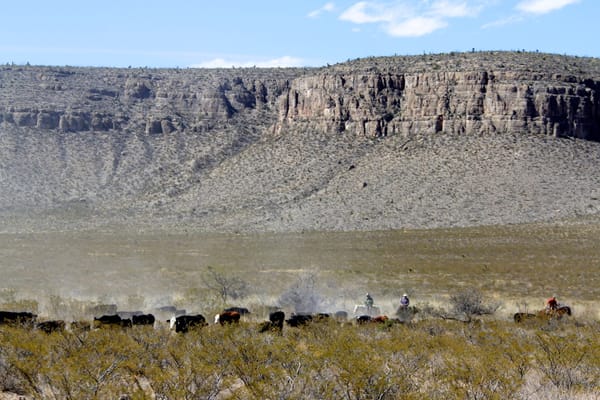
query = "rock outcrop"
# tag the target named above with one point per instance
(383, 102)
(151, 101)
(380, 143)
(460, 93)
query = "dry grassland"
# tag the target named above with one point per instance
(57, 275)
(518, 265)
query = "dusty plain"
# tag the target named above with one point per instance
(518, 265)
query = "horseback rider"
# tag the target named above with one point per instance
(551, 304)
(369, 301)
(404, 301)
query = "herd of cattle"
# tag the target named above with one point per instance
(180, 323)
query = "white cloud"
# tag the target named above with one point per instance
(543, 6)
(327, 7)
(411, 18)
(526, 8)
(504, 21)
(365, 12)
(450, 9)
(285, 61)
(418, 26)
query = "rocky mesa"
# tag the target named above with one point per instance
(375, 143)
(463, 94)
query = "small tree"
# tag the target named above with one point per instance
(224, 286)
(470, 303)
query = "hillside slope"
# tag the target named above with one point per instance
(385, 143)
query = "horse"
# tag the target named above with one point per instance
(361, 309)
(544, 314)
(557, 313)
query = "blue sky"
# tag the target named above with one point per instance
(207, 33)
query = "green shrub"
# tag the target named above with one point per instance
(433, 358)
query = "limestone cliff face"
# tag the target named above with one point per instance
(392, 103)
(150, 101)
(465, 93)
(292, 149)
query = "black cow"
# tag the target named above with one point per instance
(299, 319)
(241, 310)
(275, 322)
(184, 323)
(126, 323)
(277, 317)
(380, 319)
(144, 319)
(51, 326)
(112, 321)
(17, 318)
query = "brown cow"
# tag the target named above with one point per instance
(380, 319)
(227, 317)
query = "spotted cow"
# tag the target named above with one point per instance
(227, 317)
